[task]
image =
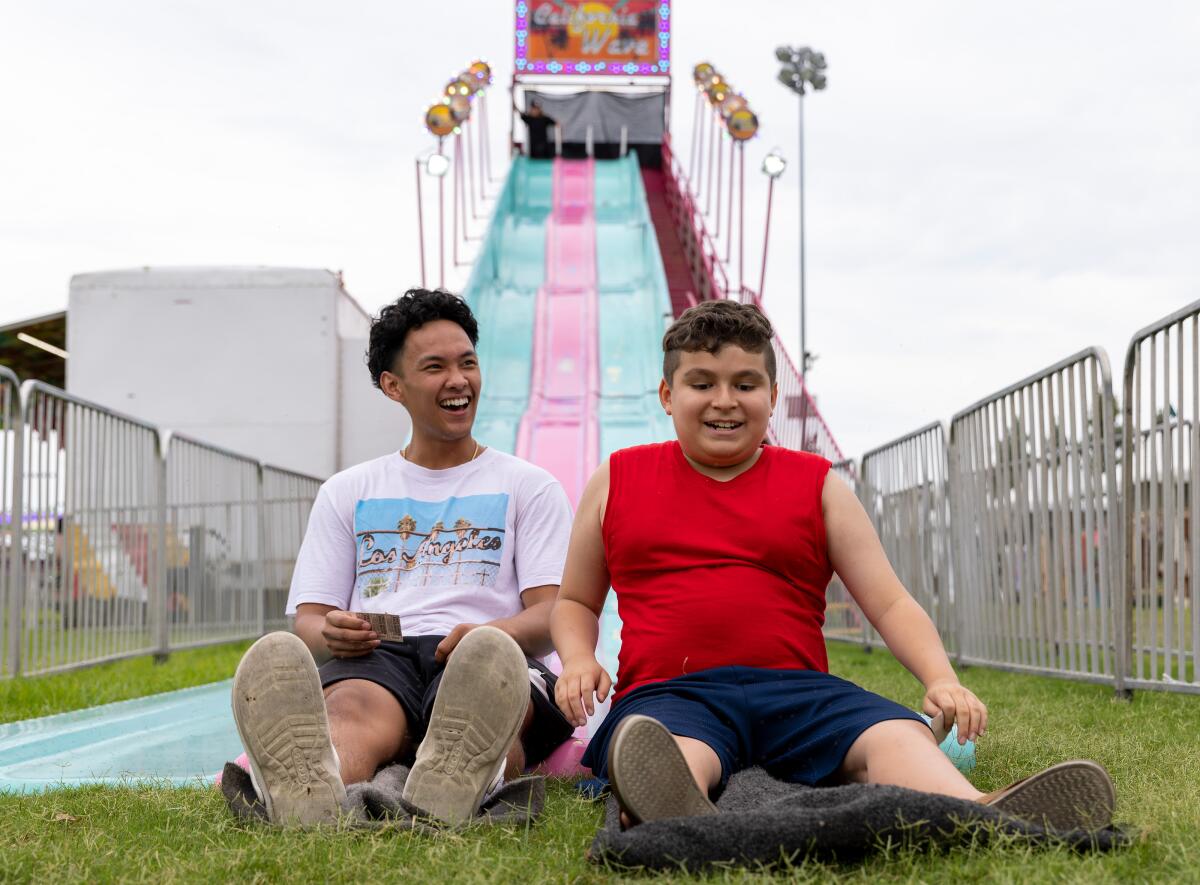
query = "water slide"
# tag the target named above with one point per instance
(572, 301)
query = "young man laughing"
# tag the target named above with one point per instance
(464, 545)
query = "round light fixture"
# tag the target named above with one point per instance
(718, 90)
(732, 103)
(439, 120)
(437, 165)
(773, 164)
(481, 71)
(742, 125)
(460, 107)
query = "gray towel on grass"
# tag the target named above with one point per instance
(378, 803)
(764, 821)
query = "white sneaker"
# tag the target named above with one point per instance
(279, 711)
(477, 714)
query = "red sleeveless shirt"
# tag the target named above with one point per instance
(713, 574)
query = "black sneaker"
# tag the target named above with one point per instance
(649, 775)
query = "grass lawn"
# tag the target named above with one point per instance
(168, 835)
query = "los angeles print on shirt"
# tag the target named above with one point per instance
(404, 543)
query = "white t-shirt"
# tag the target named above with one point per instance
(436, 547)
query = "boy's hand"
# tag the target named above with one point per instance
(958, 705)
(347, 635)
(447, 645)
(581, 678)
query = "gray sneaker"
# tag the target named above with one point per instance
(279, 710)
(1075, 795)
(477, 713)
(649, 775)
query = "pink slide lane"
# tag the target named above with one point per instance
(559, 430)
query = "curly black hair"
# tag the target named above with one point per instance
(413, 309)
(710, 325)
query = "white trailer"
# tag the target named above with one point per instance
(269, 362)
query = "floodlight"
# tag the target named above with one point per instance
(773, 165)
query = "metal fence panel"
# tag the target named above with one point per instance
(211, 546)
(10, 399)
(905, 492)
(844, 620)
(1036, 528)
(87, 504)
(1161, 452)
(287, 500)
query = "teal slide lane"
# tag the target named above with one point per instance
(634, 310)
(181, 737)
(502, 292)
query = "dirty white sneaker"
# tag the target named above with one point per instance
(477, 713)
(279, 711)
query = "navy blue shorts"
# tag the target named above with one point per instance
(797, 724)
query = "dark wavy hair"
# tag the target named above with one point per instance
(711, 325)
(413, 309)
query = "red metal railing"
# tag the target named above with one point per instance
(699, 247)
(797, 422)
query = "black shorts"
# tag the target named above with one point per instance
(408, 670)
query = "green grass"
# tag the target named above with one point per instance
(166, 835)
(118, 681)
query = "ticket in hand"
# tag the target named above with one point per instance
(387, 626)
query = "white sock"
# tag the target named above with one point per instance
(497, 783)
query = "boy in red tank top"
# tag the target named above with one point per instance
(719, 549)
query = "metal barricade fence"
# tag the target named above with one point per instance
(211, 547)
(904, 487)
(10, 399)
(844, 620)
(1036, 528)
(87, 498)
(119, 540)
(1161, 452)
(287, 500)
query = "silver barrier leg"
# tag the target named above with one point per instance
(17, 590)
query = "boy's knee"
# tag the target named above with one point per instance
(357, 702)
(889, 736)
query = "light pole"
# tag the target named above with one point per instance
(772, 167)
(801, 66)
(437, 166)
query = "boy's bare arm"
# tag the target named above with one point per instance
(860, 561)
(574, 623)
(530, 627)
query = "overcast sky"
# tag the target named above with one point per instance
(990, 186)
